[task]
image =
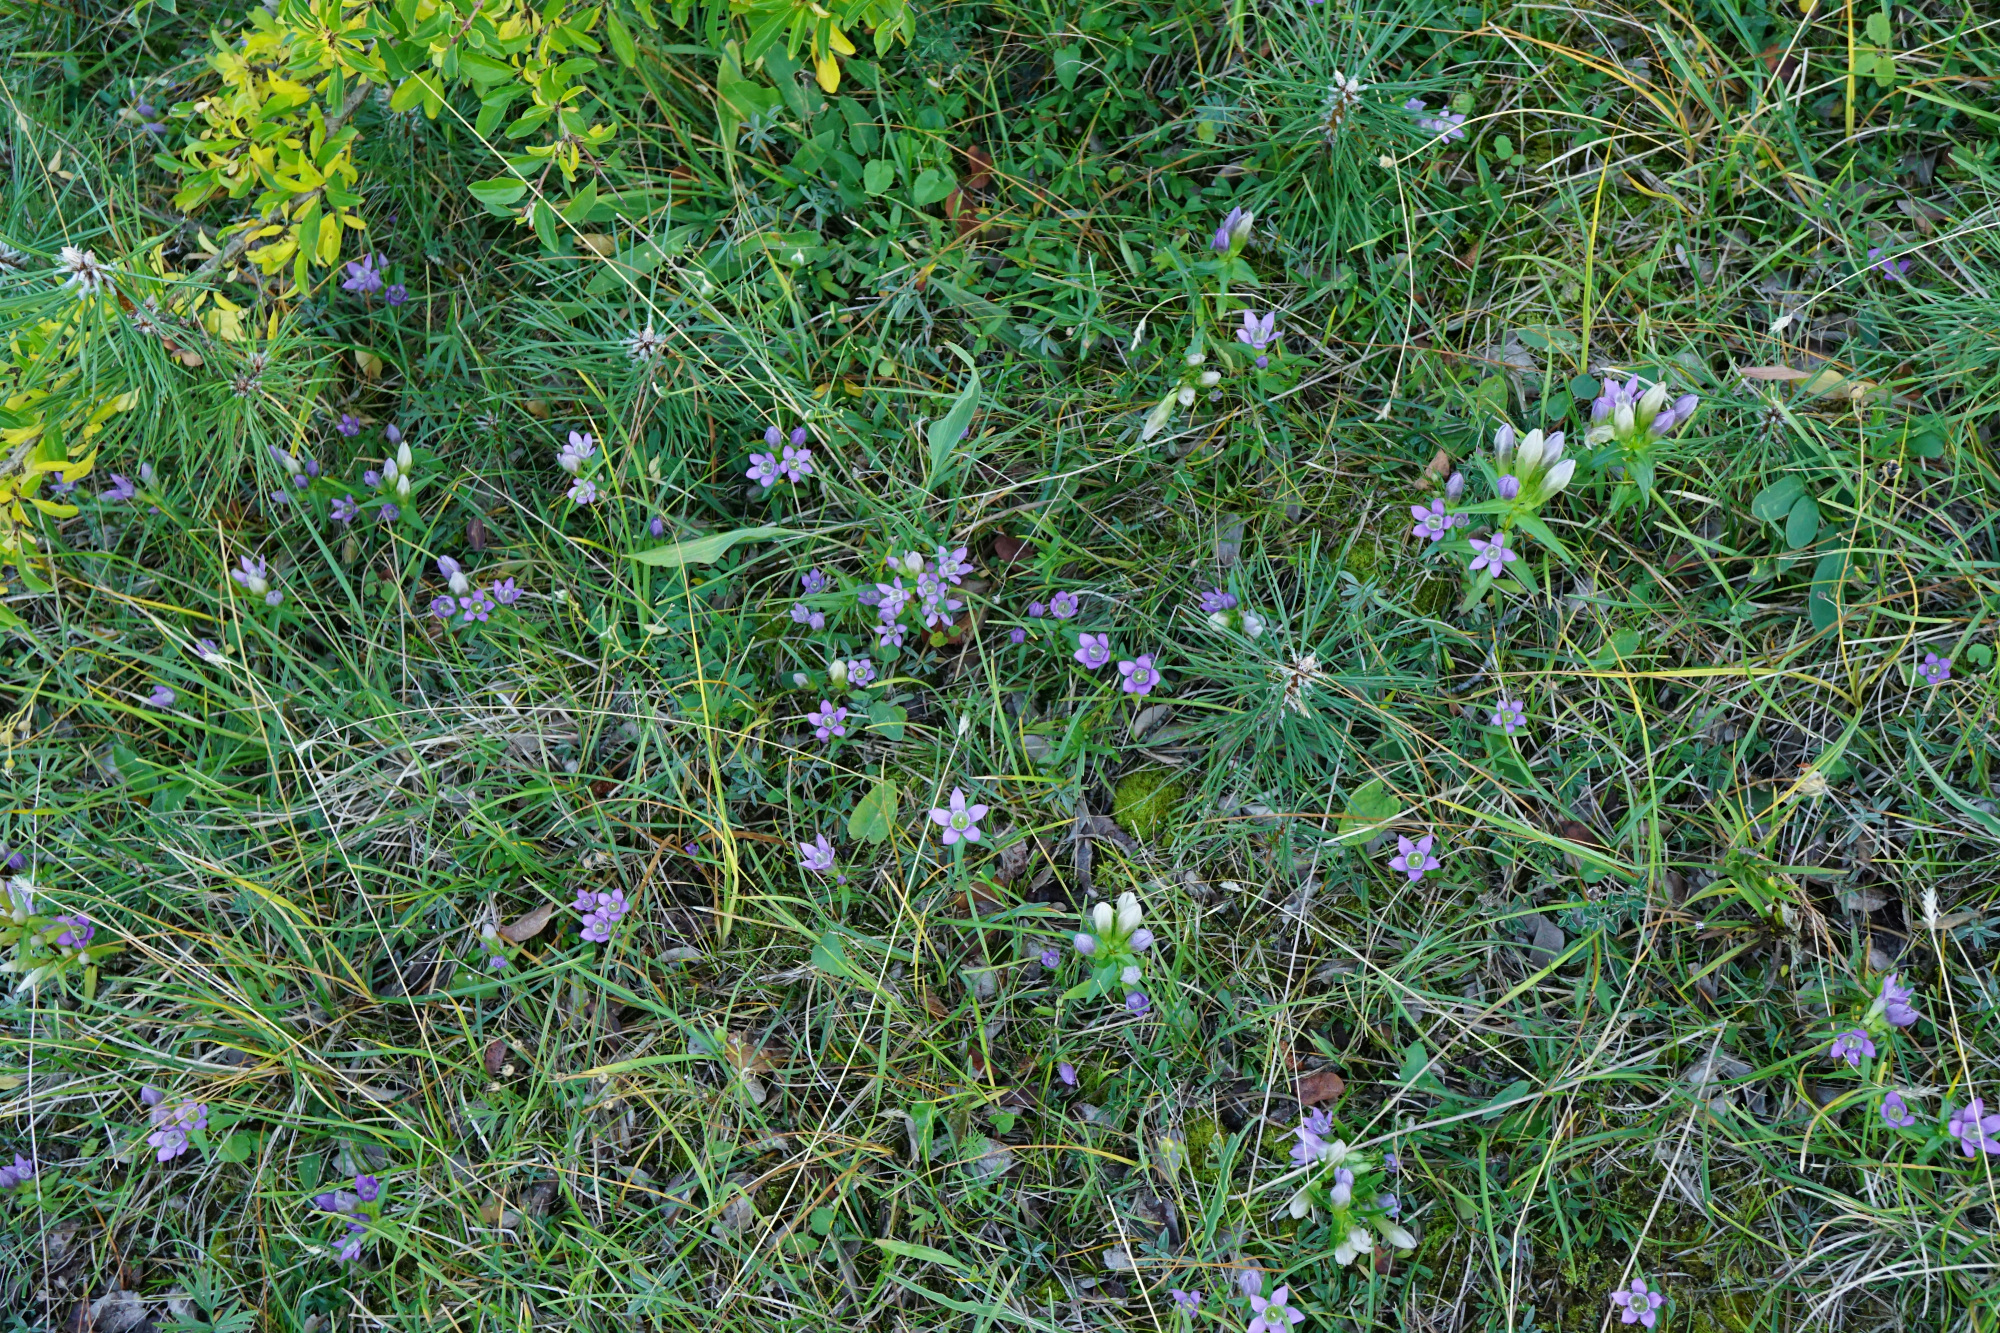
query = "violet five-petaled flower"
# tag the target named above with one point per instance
(1893, 269)
(76, 931)
(1187, 1302)
(813, 581)
(344, 510)
(1974, 1129)
(443, 607)
(1637, 1304)
(805, 615)
(1276, 1314)
(957, 819)
(1140, 675)
(1093, 650)
(21, 1171)
(1414, 858)
(1214, 601)
(1257, 334)
(1017, 636)
(161, 697)
(1063, 605)
(1493, 554)
(119, 491)
(505, 593)
(1896, 1112)
(1234, 226)
(1895, 1002)
(828, 721)
(1137, 1003)
(601, 911)
(348, 424)
(817, 855)
(363, 277)
(1510, 715)
(1051, 957)
(763, 470)
(1433, 523)
(1852, 1046)
(583, 491)
(796, 464)
(1934, 669)
(172, 1123)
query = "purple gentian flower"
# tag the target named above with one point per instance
(478, 606)
(828, 721)
(1493, 554)
(1051, 957)
(1852, 1046)
(1433, 524)
(1934, 669)
(1084, 944)
(657, 526)
(957, 819)
(1893, 269)
(799, 435)
(395, 293)
(1250, 1282)
(119, 491)
(161, 697)
(601, 911)
(1511, 715)
(389, 512)
(1256, 334)
(1137, 1002)
(860, 672)
(505, 593)
(21, 1171)
(952, 566)
(367, 1188)
(349, 424)
(1187, 1302)
(1975, 1130)
(817, 855)
(889, 634)
(763, 469)
(1274, 1315)
(1215, 601)
(363, 279)
(1414, 858)
(1017, 636)
(773, 436)
(814, 581)
(582, 491)
(344, 510)
(1036, 610)
(805, 615)
(891, 598)
(371, 478)
(76, 932)
(1140, 675)
(1093, 650)
(1638, 1305)
(172, 1124)
(797, 464)
(1235, 228)
(1142, 940)
(444, 608)
(1063, 605)
(1509, 487)
(1896, 1112)
(1896, 999)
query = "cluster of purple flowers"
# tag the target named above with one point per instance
(21, 1172)
(1434, 521)
(1636, 411)
(1447, 125)
(1234, 232)
(601, 911)
(1317, 1145)
(928, 597)
(1893, 269)
(172, 1122)
(254, 574)
(792, 461)
(346, 1205)
(466, 601)
(365, 277)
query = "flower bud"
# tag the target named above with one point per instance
(1142, 940)
(389, 471)
(1454, 487)
(1186, 397)
(1196, 358)
(404, 458)
(1683, 409)
(1558, 477)
(1103, 918)
(1622, 420)
(1652, 401)
(393, 433)
(836, 671)
(1085, 944)
(1130, 975)
(1503, 443)
(1509, 487)
(1210, 378)
(1552, 448)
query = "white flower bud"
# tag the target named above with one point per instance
(403, 486)
(1102, 917)
(836, 671)
(799, 679)
(1130, 914)
(1622, 420)
(1652, 401)
(1558, 477)
(1130, 976)
(1210, 378)
(1253, 624)
(389, 471)
(1196, 358)
(404, 459)
(1186, 396)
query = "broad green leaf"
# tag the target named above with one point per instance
(879, 176)
(1822, 603)
(621, 41)
(887, 719)
(1802, 524)
(874, 817)
(1776, 500)
(705, 550)
(933, 184)
(944, 434)
(1498, 1107)
(904, 1249)
(1069, 63)
(1372, 805)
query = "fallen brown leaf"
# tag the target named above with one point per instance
(526, 927)
(1321, 1086)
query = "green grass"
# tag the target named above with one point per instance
(784, 1100)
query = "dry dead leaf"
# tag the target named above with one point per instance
(1321, 1086)
(1440, 465)
(1770, 373)
(599, 244)
(526, 927)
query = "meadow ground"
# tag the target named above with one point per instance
(499, 687)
